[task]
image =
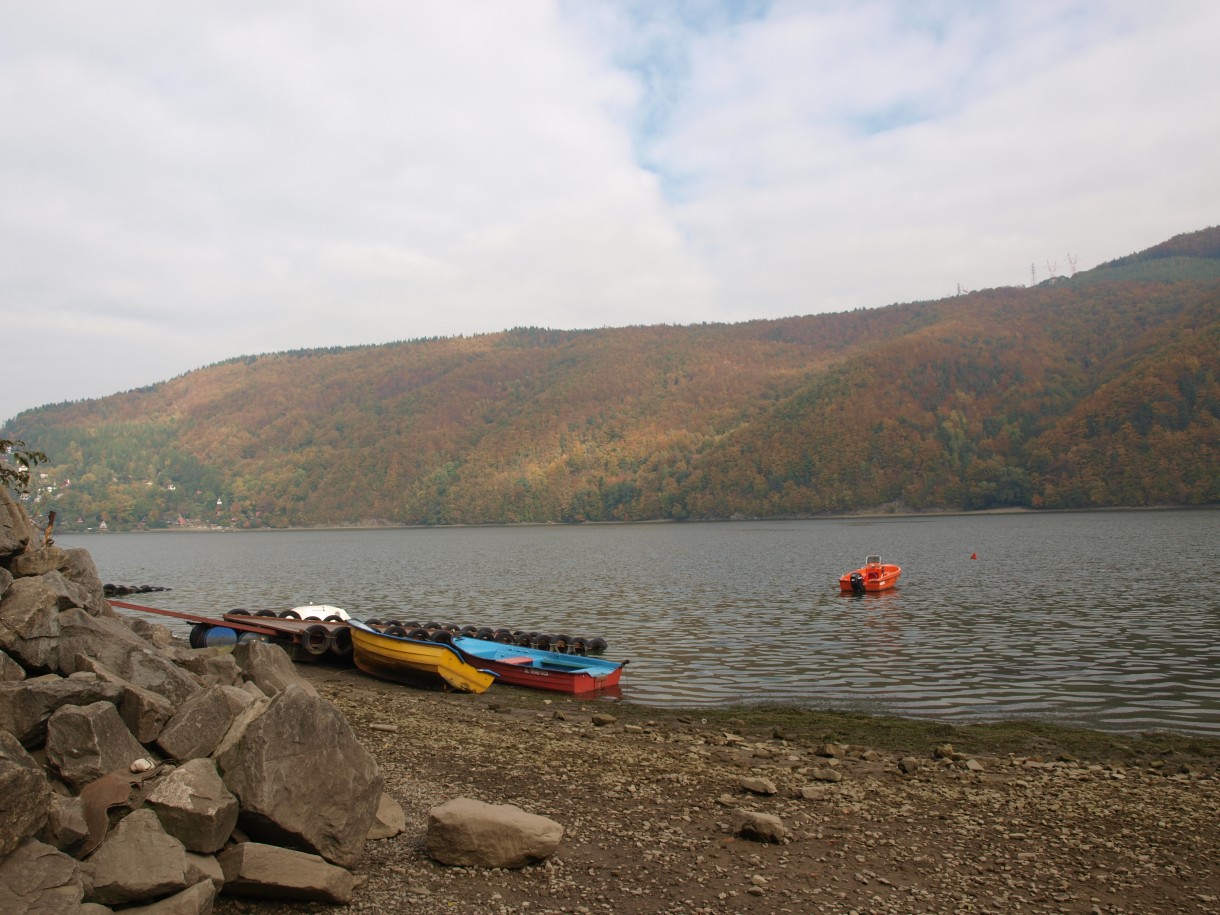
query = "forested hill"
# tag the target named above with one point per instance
(1095, 390)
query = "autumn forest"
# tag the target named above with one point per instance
(1095, 390)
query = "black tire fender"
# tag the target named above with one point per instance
(341, 643)
(316, 640)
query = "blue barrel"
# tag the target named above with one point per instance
(221, 637)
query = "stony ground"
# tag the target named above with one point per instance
(1009, 820)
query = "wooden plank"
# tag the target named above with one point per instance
(252, 626)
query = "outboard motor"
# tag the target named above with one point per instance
(857, 583)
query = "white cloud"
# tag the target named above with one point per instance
(191, 183)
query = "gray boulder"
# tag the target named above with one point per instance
(139, 860)
(470, 833)
(760, 827)
(389, 820)
(82, 572)
(36, 879)
(201, 721)
(85, 742)
(6, 579)
(66, 827)
(204, 867)
(26, 705)
(144, 712)
(159, 635)
(16, 531)
(253, 869)
(301, 776)
(29, 621)
(10, 670)
(38, 561)
(68, 593)
(25, 795)
(269, 667)
(212, 666)
(195, 807)
(196, 900)
(111, 643)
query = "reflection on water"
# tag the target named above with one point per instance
(1103, 619)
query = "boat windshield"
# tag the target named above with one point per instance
(873, 561)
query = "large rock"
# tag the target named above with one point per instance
(16, 531)
(212, 666)
(390, 819)
(269, 667)
(195, 807)
(470, 833)
(201, 721)
(115, 646)
(10, 670)
(144, 712)
(254, 869)
(25, 795)
(204, 867)
(85, 742)
(68, 592)
(760, 827)
(196, 900)
(302, 778)
(36, 879)
(29, 620)
(66, 827)
(157, 633)
(38, 561)
(26, 705)
(139, 860)
(82, 572)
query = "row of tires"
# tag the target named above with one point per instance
(443, 632)
(283, 614)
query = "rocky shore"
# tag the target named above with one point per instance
(139, 775)
(876, 815)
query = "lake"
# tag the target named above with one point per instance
(1103, 619)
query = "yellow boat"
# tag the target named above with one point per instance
(411, 661)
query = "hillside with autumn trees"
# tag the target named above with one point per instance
(1096, 390)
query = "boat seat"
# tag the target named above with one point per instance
(521, 660)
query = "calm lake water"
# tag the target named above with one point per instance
(1109, 619)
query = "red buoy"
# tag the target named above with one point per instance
(974, 555)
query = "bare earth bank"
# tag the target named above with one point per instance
(1018, 818)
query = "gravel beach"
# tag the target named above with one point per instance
(880, 815)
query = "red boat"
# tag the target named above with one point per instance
(538, 669)
(874, 575)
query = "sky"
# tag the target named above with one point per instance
(185, 183)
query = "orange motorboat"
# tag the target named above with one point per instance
(874, 575)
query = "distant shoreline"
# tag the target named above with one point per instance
(864, 515)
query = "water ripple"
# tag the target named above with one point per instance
(1091, 618)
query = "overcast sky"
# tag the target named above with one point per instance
(181, 183)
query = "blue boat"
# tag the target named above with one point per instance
(538, 669)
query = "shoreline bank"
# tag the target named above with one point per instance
(881, 814)
(863, 515)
